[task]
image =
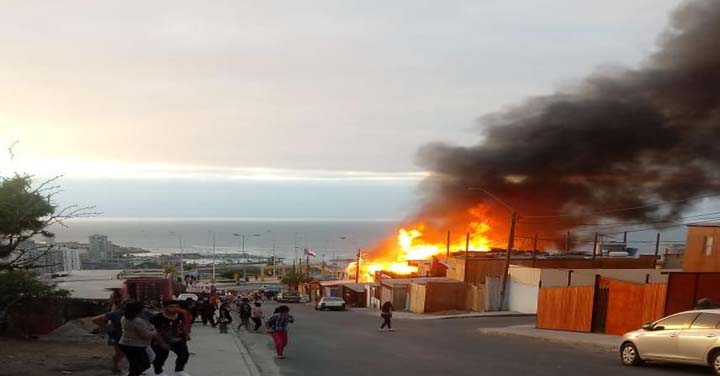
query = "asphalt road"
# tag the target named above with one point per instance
(348, 343)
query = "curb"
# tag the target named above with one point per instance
(483, 316)
(252, 368)
(600, 346)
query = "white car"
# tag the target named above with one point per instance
(183, 297)
(330, 302)
(691, 337)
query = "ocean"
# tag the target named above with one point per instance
(328, 238)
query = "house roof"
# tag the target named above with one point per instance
(407, 281)
(357, 287)
(90, 284)
(707, 224)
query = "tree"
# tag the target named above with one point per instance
(27, 211)
(294, 278)
(23, 297)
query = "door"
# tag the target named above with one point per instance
(600, 304)
(662, 341)
(694, 342)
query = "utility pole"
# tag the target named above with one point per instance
(511, 240)
(567, 242)
(244, 255)
(594, 250)
(467, 256)
(213, 257)
(657, 248)
(357, 267)
(625, 238)
(447, 253)
(307, 265)
(274, 259)
(182, 259)
(534, 250)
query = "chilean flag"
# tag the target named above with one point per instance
(308, 252)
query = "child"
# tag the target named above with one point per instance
(277, 326)
(257, 315)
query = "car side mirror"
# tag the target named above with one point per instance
(659, 327)
(647, 326)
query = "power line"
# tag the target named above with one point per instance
(622, 209)
(617, 223)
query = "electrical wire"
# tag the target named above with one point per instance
(622, 209)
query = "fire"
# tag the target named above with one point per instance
(416, 243)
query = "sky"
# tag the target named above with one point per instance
(281, 108)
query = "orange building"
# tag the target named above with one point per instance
(702, 249)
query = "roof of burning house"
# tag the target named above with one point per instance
(708, 224)
(421, 280)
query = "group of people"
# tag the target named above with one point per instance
(146, 339)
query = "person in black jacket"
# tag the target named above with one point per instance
(386, 314)
(170, 325)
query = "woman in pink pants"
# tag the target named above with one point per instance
(277, 326)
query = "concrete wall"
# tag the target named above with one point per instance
(522, 297)
(417, 298)
(475, 298)
(586, 277)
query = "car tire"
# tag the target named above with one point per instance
(629, 354)
(714, 361)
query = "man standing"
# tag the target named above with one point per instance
(170, 325)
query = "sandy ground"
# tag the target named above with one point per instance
(46, 358)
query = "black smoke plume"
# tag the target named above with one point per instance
(628, 138)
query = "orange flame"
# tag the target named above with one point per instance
(412, 244)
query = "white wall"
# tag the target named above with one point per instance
(522, 297)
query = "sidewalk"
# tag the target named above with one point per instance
(215, 354)
(404, 315)
(602, 341)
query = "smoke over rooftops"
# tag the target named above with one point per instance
(625, 138)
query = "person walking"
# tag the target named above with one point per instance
(245, 311)
(225, 317)
(277, 326)
(136, 336)
(111, 322)
(207, 312)
(386, 314)
(257, 315)
(170, 326)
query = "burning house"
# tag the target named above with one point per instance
(623, 145)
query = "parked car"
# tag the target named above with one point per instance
(185, 296)
(330, 302)
(288, 297)
(691, 337)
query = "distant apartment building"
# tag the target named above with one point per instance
(702, 248)
(99, 247)
(54, 260)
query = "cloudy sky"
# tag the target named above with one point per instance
(281, 108)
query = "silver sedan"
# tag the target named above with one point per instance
(691, 337)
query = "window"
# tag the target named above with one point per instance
(706, 321)
(677, 322)
(709, 240)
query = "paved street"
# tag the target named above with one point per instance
(348, 343)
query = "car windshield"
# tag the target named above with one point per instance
(332, 299)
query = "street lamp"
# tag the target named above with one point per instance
(182, 253)
(242, 236)
(511, 239)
